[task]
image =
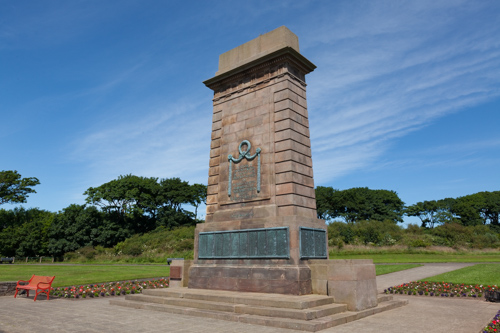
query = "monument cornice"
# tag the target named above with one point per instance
(255, 85)
(282, 54)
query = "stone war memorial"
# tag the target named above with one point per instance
(261, 219)
(261, 256)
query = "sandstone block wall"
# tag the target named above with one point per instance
(269, 109)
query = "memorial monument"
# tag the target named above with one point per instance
(262, 238)
(261, 222)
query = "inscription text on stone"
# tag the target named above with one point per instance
(244, 183)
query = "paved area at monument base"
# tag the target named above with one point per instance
(311, 313)
(422, 314)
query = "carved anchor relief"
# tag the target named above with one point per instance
(244, 172)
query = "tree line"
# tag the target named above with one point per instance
(113, 212)
(362, 204)
(361, 216)
(132, 205)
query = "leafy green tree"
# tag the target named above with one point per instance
(77, 226)
(326, 202)
(432, 212)
(174, 193)
(34, 238)
(147, 202)
(24, 232)
(10, 217)
(478, 208)
(362, 203)
(15, 189)
(125, 194)
(468, 210)
(198, 196)
(490, 208)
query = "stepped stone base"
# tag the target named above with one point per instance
(309, 313)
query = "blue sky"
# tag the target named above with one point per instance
(405, 97)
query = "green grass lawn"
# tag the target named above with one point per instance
(420, 257)
(386, 269)
(67, 275)
(485, 274)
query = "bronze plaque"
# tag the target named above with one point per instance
(175, 273)
(244, 183)
(262, 243)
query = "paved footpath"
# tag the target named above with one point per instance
(422, 314)
(418, 273)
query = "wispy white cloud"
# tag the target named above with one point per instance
(169, 140)
(390, 71)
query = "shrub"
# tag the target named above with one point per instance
(414, 229)
(419, 242)
(484, 240)
(71, 256)
(365, 232)
(157, 242)
(87, 251)
(132, 249)
(99, 249)
(454, 233)
(184, 245)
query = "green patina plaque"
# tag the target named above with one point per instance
(313, 243)
(245, 244)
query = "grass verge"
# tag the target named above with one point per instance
(420, 257)
(67, 275)
(386, 269)
(480, 274)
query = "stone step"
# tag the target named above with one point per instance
(257, 299)
(302, 325)
(176, 309)
(304, 314)
(257, 315)
(183, 302)
(384, 298)
(301, 314)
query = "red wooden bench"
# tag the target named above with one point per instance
(40, 284)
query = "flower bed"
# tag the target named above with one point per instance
(108, 289)
(443, 289)
(494, 326)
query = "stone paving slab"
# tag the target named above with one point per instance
(429, 315)
(22, 315)
(422, 314)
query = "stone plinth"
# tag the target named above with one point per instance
(350, 282)
(260, 172)
(264, 277)
(179, 273)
